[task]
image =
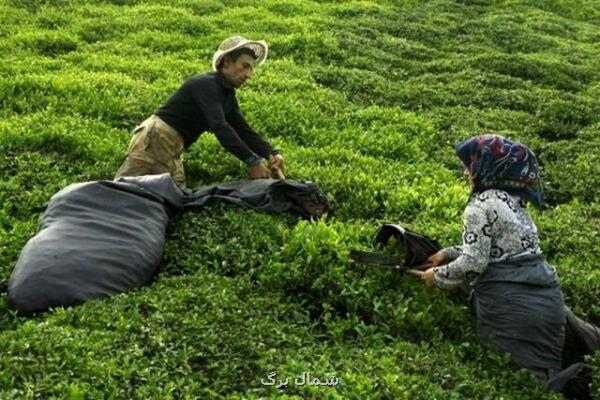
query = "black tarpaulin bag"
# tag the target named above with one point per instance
(418, 248)
(95, 239)
(266, 195)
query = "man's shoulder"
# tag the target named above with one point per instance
(202, 79)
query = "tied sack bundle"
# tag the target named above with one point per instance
(95, 239)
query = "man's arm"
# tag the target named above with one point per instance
(208, 97)
(259, 145)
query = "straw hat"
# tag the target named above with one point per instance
(259, 47)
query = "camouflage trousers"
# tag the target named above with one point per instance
(155, 148)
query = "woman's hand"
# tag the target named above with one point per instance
(426, 276)
(425, 270)
(433, 261)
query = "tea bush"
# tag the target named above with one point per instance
(366, 99)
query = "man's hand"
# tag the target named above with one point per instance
(276, 163)
(258, 171)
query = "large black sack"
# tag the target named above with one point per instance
(95, 239)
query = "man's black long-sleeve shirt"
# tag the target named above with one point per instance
(206, 102)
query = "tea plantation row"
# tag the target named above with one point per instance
(365, 98)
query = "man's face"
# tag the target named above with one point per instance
(239, 71)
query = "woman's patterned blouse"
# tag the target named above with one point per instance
(497, 227)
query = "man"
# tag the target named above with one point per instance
(205, 102)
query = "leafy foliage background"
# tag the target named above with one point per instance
(367, 99)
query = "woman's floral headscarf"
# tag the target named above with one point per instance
(498, 163)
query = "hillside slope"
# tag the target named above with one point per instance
(365, 98)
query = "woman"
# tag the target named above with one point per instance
(516, 295)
